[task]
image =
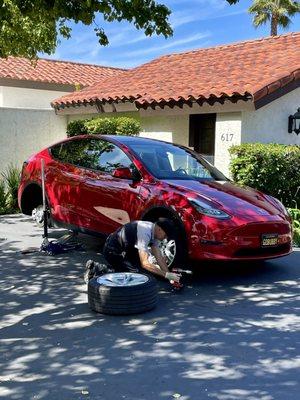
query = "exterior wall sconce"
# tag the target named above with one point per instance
(294, 122)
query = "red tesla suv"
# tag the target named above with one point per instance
(94, 184)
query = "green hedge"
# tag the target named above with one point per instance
(271, 168)
(77, 128)
(104, 126)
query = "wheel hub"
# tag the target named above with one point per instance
(168, 249)
(122, 279)
(38, 214)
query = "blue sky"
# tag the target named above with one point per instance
(196, 24)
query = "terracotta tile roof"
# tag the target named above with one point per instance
(52, 71)
(251, 68)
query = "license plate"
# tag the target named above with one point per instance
(269, 240)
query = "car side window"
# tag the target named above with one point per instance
(93, 154)
(73, 152)
(112, 157)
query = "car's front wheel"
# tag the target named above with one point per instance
(169, 250)
(174, 250)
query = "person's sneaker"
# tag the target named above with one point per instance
(89, 271)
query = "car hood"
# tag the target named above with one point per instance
(232, 198)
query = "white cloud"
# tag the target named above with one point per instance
(175, 43)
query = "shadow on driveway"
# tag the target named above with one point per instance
(233, 333)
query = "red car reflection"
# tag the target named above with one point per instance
(94, 184)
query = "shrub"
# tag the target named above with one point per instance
(12, 179)
(2, 198)
(102, 126)
(77, 127)
(128, 126)
(271, 168)
(295, 215)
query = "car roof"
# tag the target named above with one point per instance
(130, 140)
(122, 139)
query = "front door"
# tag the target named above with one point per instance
(108, 201)
(202, 135)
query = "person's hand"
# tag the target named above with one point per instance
(172, 276)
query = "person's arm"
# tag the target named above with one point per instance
(161, 271)
(159, 258)
(144, 258)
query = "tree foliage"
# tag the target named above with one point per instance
(276, 11)
(28, 27)
(31, 26)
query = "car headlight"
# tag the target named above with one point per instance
(206, 209)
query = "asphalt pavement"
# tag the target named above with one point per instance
(232, 333)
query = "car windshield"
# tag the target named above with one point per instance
(167, 161)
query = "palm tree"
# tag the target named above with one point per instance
(276, 11)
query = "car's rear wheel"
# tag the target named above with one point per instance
(122, 293)
(38, 216)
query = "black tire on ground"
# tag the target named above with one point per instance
(122, 293)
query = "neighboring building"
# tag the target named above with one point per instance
(27, 121)
(208, 99)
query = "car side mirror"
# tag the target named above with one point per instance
(122, 173)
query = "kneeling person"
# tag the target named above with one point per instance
(134, 242)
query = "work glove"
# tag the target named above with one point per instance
(172, 277)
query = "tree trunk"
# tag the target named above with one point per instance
(274, 24)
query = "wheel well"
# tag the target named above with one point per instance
(157, 212)
(32, 196)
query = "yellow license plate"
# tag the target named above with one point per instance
(269, 240)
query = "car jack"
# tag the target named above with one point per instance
(64, 244)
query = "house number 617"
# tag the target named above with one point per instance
(227, 137)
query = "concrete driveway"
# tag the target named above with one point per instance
(233, 333)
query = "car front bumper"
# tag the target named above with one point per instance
(243, 243)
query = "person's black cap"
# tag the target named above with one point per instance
(167, 226)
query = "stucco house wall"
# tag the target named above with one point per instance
(270, 123)
(27, 123)
(228, 133)
(25, 131)
(172, 128)
(20, 97)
